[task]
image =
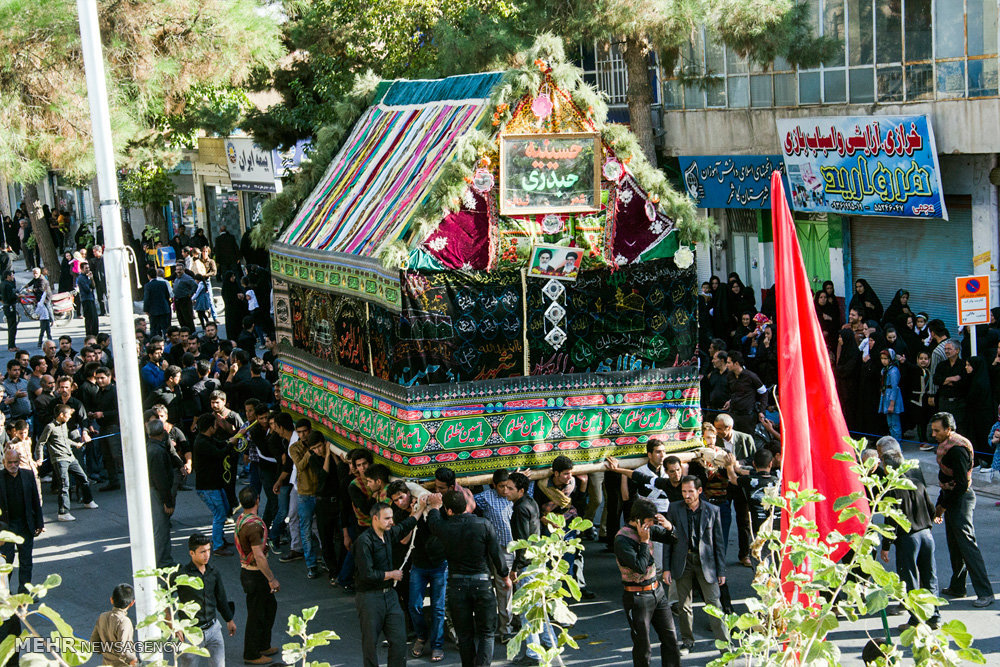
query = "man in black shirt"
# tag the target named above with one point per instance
(20, 513)
(746, 392)
(955, 506)
(210, 454)
(106, 413)
(915, 546)
(470, 543)
(525, 522)
(753, 488)
(644, 599)
(211, 600)
(374, 577)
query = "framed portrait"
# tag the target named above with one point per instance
(550, 173)
(555, 261)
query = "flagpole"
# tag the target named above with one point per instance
(116, 258)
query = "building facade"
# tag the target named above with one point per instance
(933, 58)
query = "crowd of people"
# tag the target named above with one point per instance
(275, 492)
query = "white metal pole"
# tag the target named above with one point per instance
(140, 517)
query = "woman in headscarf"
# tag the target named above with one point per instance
(895, 342)
(848, 374)
(907, 332)
(920, 328)
(870, 386)
(235, 303)
(891, 399)
(979, 409)
(831, 296)
(737, 303)
(898, 309)
(718, 307)
(765, 355)
(828, 319)
(866, 299)
(746, 294)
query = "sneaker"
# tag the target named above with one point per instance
(983, 601)
(66, 516)
(91, 505)
(312, 572)
(290, 556)
(685, 648)
(949, 593)
(418, 648)
(927, 447)
(273, 545)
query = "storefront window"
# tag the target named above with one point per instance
(252, 205)
(223, 210)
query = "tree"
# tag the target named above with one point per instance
(333, 42)
(161, 58)
(758, 29)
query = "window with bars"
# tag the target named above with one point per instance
(604, 67)
(891, 51)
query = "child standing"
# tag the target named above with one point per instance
(891, 403)
(113, 630)
(55, 438)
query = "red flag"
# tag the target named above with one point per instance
(812, 425)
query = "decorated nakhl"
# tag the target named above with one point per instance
(488, 274)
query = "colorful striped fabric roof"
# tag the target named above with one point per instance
(389, 163)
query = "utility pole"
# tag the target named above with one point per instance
(116, 260)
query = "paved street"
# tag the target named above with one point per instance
(92, 556)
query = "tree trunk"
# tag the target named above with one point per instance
(640, 95)
(155, 219)
(46, 249)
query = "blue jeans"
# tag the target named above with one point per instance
(215, 501)
(307, 509)
(546, 637)
(895, 426)
(437, 578)
(278, 526)
(213, 643)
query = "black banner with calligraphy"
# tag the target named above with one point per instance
(638, 317)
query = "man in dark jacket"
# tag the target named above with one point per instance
(698, 553)
(644, 598)
(20, 513)
(163, 465)
(88, 300)
(227, 252)
(97, 272)
(106, 414)
(915, 546)
(210, 453)
(184, 288)
(156, 302)
(9, 297)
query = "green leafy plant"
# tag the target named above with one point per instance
(172, 622)
(297, 653)
(776, 631)
(545, 598)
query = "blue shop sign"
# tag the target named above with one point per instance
(730, 181)
(863, 165)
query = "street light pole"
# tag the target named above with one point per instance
(116, 260)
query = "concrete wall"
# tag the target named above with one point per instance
(960, 126)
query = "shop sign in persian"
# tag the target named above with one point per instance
(863, 165)
(250, 166)
(730, 181)
(550, 173)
